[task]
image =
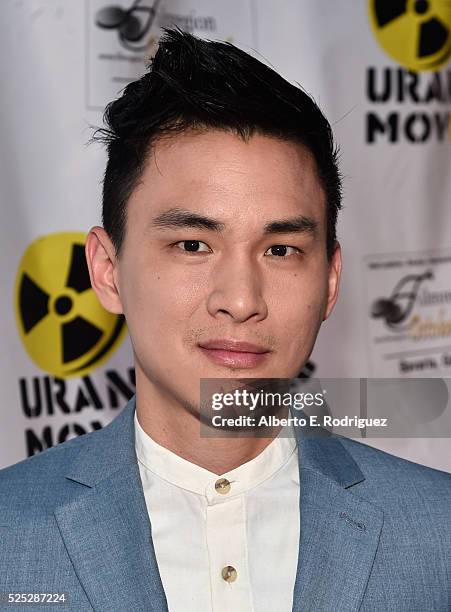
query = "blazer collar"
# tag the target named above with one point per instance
(111, 449)
(325, 454)
(114, 448)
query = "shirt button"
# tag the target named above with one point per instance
(222, 486)
(229, 573)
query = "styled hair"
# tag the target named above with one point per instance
(201, 84)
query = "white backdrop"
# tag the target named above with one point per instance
(383, 80)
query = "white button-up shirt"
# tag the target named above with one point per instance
(232, 547)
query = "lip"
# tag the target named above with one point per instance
(234, 354)
(234, 346)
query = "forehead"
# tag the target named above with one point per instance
(219, 172)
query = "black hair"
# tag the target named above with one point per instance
(202, 84)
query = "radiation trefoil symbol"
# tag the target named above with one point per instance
(415, 33)
(63, 326)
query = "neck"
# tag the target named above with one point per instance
(178, 429)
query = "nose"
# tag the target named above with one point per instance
(236, 291)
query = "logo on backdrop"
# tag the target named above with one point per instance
(131, 24)
(415, 33)
(410, 102)
(409, 313)
(122, 35)
(395, 309)
(62, 325)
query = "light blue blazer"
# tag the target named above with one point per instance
(375, 529)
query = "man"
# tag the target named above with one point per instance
(220, 202)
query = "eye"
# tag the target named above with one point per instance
(193, 246)
(282, 250)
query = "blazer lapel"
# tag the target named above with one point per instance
(105, 526)
(339, 532)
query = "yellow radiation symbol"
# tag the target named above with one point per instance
(415, 33)
(63, 326)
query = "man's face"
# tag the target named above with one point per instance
(225, 243)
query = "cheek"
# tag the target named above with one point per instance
(158, 300)
(300, 310)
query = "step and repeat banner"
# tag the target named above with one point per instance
(380, 71)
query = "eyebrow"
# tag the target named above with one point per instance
(175, 218)
(299, 225)
(178, 218)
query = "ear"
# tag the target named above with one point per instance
(333, 280)
(102, 264)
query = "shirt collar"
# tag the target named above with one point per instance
(186, 475)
